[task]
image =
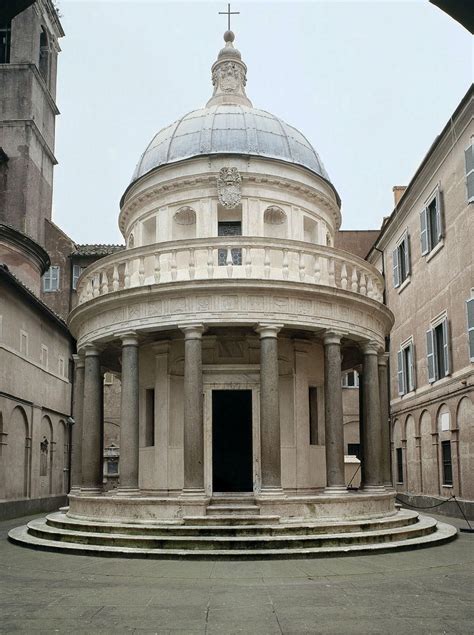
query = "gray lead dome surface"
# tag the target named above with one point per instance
(229, 129)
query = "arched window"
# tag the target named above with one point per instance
(44, 55)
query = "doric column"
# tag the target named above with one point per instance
(193, 410)
(129, 415)
(270, 408)
(92, 427)
(372, 422)
(76, 433)
(333, 416)
(385, 419)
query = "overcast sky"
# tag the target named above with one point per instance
(370, 84)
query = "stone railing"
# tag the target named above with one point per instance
(239, 257)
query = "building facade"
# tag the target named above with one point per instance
(428, 257)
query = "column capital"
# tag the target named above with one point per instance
(79, 360)
(192, 331)
(268, 330)
(383, 358)
(370, 348)
(130, 338)
(90, 350)
(332, 337)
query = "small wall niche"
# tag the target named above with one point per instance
(149, 231)
(310, 230)
(275, 222)
(184, 223)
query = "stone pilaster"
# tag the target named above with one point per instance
(333, 414)
(193, 411)
(76, 432)
(385, 419)
(129, 415)
(372, 423)
(270, 409)
(92, 424)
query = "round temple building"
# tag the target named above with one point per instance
(230, 318)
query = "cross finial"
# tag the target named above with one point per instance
(228, 13)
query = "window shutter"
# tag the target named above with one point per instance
(447, 347)
(396, 268)
(439, 217)
(424, 231)
(407, 255)
(470, 327)
(401, 374)
(412, 363)
(430, 355)
(469, 157)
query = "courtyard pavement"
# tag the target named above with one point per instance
(422, 591)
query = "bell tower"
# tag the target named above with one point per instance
(29, 49)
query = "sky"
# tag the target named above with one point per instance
(370, 84)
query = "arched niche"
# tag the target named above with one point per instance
(412, 457)
(275, 222)
(310, 230)
(429, 459)
(16, 455)
(44, 62)
(465, 425)
(398, 454)
(60, 459)
(45, 450)
(184, 223)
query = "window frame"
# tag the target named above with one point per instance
(434, 363)
(447, 464)
(470, 327)
(76, 276)
(469, 172)
(48, 279)
(345, 375)
(428, 244)
(401, 260)
(399, 465)
(44, 356)
(406, 367)
(6, 30)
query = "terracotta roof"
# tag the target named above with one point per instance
(96, 250)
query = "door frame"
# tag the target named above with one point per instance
(225, 377)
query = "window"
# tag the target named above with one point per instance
(149, 417)
(44, 54)
(51, 279)
(401, 261)
(469, 158)
(438, 351)
(470, 327)
(353, 449)
(431, 224)
(44, 356)
(23, 343)
(5, 41)
(108, 379)
(399, 465)
(350, 379)
(406, 368)
(313, 415)
(229, 228)
(447, 464)
(61, 366)
(76, 272)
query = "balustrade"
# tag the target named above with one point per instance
(233, 258)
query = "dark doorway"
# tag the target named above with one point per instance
(232, 441)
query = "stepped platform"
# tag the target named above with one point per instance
(236, 536)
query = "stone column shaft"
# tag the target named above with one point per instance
(333, 414)
(92, 425)
(76, 433)
(193, 410)
(385, 419)
(372, 423)
(129, 415)
(270, 408)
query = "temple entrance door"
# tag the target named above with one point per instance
(232, 441)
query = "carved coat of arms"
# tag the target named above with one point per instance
(229, 187)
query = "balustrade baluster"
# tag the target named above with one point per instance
(126, 275)
(266, 262)
(317, 270)
(141, 271)
(105, 283)
(331, 273)
(89, 291)
(96, 285)
(210, 263)
(229, 262)
(157, 268)
(370, 287)
(355, 280)
(301, 266)
(285, 269)
(344, 276)
(174, 266)
(248, 262)
(115, 279)
(192, 264)
(363, 287)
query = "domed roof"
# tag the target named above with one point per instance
(229, 129)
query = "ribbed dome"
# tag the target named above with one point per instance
(229, 129)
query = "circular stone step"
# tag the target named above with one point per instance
(404, 530)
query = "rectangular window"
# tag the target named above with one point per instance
(108, 379)
(350, 379)
(51, 279)
(76, 272)
(44, 356)
(353, 449)
(406, 368)
(61, 366)
(438, 350)
(313, 415)
(431, 224)
(470, 327)
(401, 261)
(399, 465)
(149, 417)
(229, 228)
(23, 342)
(447, 464)
(5, 41)
(469, 158)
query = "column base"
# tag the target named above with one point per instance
(374, 488)
(91, 491)
(127, 491)
(193, 493)
(271, 491)
(336, 490)
(75, 490)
